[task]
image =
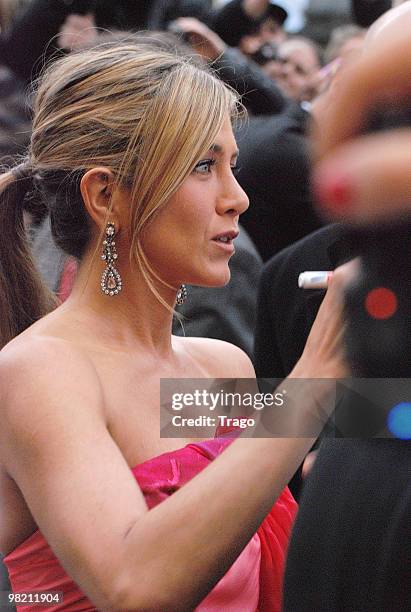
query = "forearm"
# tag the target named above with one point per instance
(201, 530)
(207, 523)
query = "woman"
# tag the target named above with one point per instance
(133, 143)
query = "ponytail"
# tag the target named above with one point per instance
(24, 298)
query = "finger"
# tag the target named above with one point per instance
(308, 463)
(379, 77)
(368, 179)
(346, 274)
(331, 312)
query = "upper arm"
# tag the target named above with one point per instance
(56, 446)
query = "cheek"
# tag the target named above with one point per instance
(177, 240)
(177, 236)
(191, 214)
(293, 83)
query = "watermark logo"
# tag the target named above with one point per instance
(349, 408)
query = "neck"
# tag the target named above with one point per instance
(132, 320)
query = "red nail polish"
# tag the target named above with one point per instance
(334, 193)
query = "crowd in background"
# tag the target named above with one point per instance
(285, 59)
(282, 58)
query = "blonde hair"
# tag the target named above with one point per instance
(145, 112)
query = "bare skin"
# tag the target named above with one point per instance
(298, 66)
(79, 397)
(376, 167)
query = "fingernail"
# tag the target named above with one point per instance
(334, 192)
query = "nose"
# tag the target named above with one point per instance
(233, 199)
(286, 66)
(285, 69)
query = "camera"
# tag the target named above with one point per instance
(379, 304)
(266, 53)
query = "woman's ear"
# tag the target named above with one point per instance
(97, 189)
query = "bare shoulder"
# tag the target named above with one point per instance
(56, 446)
(41, 374)
(220, 359)
(43, 358)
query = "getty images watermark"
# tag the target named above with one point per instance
(217, 400)
(350, 408)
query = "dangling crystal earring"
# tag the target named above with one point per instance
(181, 295)
(110, 279)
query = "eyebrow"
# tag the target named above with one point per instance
(216, 148)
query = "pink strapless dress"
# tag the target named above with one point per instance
(254, 581)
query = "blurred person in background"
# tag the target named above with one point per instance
(248, 24)
(295, 67)
(344, 47)
(344, 41)
(8, 10)
(268, 33)
(14, 112)
(323, 16)
(31, 40)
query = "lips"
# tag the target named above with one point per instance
(226, 237)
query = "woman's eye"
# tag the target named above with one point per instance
(204, 166)
(235, 169)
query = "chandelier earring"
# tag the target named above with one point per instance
(111, 283)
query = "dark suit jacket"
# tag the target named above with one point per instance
(274, 172)
(286, 313)
(350, 546)
(350, 549)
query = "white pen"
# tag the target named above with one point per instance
(314, 280)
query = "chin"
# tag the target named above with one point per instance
(213, 279)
